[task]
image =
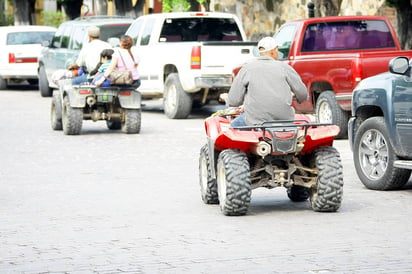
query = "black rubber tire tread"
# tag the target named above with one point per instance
(327, 195)
(3, 83)
(183, 101)
(208, 189)
(114, 124)
(45, 90)
(132, 121)
(237, 177)
(394, 178)
(298, 193)
(56, 112)
(72, 118)
(340, 117)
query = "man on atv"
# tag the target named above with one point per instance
(265, 86)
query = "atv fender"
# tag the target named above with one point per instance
(130, 99)
(76, 99)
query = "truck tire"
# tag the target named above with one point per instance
(329, 111)
(326, 196)
(56, 112)
(114, 124)
(177, 103)
(374, 157)
(233, 182)
(72, 118)
(132, 121)
(208, 184)
(298, 193)
(45, 90)
(3, 83)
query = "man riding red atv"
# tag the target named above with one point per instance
(265, 144)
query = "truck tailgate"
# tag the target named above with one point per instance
(223, 57)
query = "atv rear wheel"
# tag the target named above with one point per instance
(56, 111)
(72, 118)
(374, 157)
(208, 185)
(233, 182)
(132, 121)
(327, 194)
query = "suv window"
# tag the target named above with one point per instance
(366, 34)
(135, 30)
(284, 39)
(77, 38)
(147, 31)
(112, 30)
(65, 40)
(200, 29)
(56, 42)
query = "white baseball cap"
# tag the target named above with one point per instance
(267, 43)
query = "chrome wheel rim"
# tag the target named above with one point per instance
(324, 113)
(373, 154)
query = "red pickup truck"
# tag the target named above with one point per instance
(332, 54)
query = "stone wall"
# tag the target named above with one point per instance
(264, 17)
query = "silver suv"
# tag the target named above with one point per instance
(68, 41)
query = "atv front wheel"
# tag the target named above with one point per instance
(298, 193)
(233, 182)
(327, 194)
(374, 157)
(114, 124)
(72, 118)
(132, 121)
(208, 185)
(56, 111)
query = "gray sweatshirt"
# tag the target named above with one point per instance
(264, 86)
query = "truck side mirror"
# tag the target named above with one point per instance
(399, 65)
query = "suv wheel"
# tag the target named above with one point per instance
(374, 157)
(45, 90)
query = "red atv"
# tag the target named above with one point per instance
(295, 154)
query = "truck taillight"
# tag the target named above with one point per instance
(195, 58)
(12, 58)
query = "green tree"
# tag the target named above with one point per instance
(184, 5)
(404, 19)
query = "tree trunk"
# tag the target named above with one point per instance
(123, 6)
(404, 17)
(21, 12)
(72, 8)
(327, 7)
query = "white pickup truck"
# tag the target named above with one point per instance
(187, 58)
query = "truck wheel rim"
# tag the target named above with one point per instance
(325, 113)
(171, 97)
(373, 154)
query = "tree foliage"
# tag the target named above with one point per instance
(184, 5)
(404, 19)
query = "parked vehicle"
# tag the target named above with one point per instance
(187, 58)
(332, 55)
(20, 48)
(119, 106)
(295, 154)
(68, 41)
(380, 130)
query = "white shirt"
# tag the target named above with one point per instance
(89, 55)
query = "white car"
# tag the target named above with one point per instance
(20, 48)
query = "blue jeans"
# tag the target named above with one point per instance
(239, 121)
(80, 79)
